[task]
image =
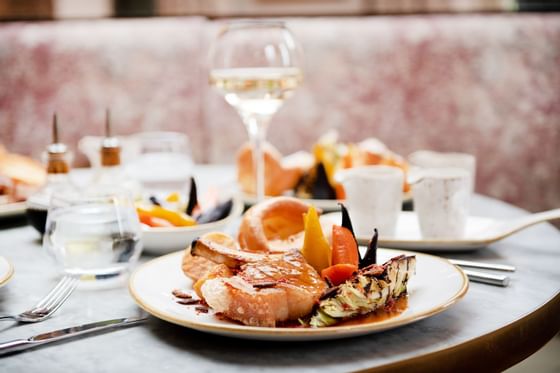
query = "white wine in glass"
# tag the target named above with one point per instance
(256, 66)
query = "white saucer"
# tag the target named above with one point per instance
(479, 233)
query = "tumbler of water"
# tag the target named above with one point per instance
(94, 233)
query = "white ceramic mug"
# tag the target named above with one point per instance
(441, 201)
(373, 198)
(432, 159)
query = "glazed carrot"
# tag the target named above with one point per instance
(340, 192)
(153, 221)
(338, 273)
(175, 218)
(160, 223)
(316, 249)
(344, 247)
(145, 218)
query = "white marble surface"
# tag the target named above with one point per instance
(159, 346)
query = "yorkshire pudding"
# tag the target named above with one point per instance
(274, 225)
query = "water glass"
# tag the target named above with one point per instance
(94, 233)
(164, 163)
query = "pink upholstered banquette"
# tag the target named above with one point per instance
(484, 84)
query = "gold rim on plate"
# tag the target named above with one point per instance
(238, 330)
(7, 276)
(12, 209)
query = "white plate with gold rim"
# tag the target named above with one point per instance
(6, 271)
(436, 286)
(479, 232)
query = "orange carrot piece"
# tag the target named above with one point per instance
(344, 247)
(153, 221)
(338, 273)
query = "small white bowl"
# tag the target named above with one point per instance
(165, 240)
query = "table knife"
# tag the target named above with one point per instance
(487, 278)
(67, 333)
(481, 265)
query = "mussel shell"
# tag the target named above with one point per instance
(321, 188)
(219, 212)
(315, 184)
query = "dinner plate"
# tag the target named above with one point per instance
(327, 205)
(435, 287)
(6, 271)
(12, 209)
(479, 231)
(165, 240)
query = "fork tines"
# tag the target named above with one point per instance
(56, 297)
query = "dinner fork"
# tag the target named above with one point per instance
(47, 306)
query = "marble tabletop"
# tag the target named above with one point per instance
(163, 347)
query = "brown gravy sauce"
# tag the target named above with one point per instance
(399, 307)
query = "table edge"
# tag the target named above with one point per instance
(495, 351)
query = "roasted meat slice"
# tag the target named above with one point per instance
(196, 267)
(266, 289)
(221, 254)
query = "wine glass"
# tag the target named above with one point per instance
(256, 65)
(94, 233)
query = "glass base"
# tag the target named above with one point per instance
(95, 279)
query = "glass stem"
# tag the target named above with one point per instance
(257, 127)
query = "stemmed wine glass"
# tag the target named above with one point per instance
(256, 65)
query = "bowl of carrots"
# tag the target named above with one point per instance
(171, 223)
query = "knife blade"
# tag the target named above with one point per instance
(487, 278)
(480, 265)
(67, 333)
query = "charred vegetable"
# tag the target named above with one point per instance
(219, 212)
(193, 198)
(373, 287)
(155, 201)
(316, 184)
(321, 188)
(346, 222)
(370, 257)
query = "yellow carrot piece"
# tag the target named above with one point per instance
(316, 248)
(176, 218)
(173, 197)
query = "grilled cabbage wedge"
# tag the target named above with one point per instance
(371, 288)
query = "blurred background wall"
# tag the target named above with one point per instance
(64, 9)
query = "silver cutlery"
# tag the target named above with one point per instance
(68, 333)
(480, 265)
(483, 277)
(47, 306)
(487, 278)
